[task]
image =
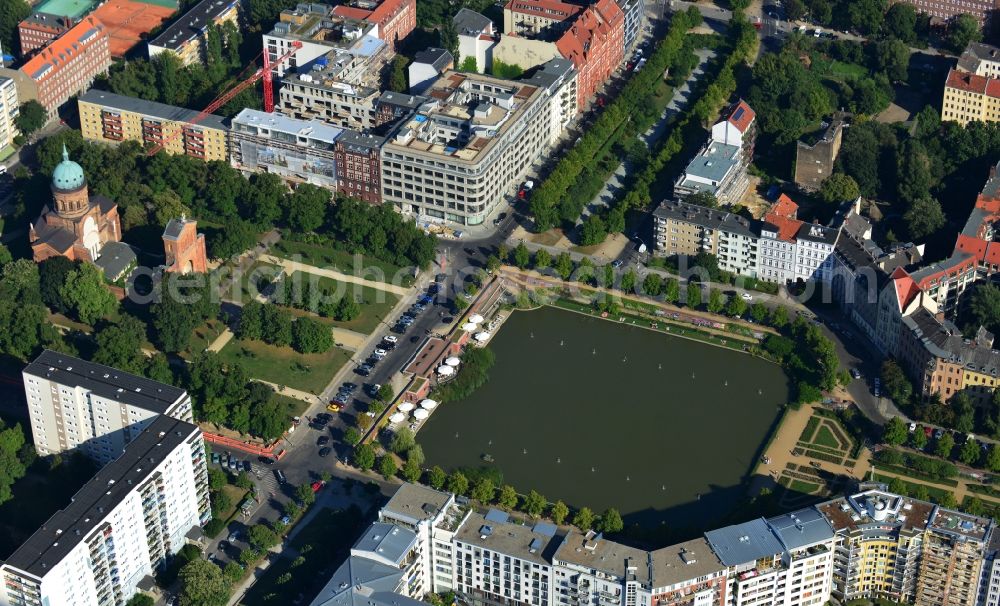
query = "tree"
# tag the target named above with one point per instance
(945, 444)
(839, 187)
(534, 504)
(901, 22)
(671, 290)
(307, 207)
(969, 453)
(411, 470)
(564, 265)
(12, 12)
(243, 481)
(593, 231)
(962, 30)
(85, 294)
(31, 117)
(894, 433)
(261, 537)
(484, 490)
(559, 512)
(52, 273)
(611, 521)
(118, 345)
(449, 39)
(693, 295)
(521, 256)
(779, 317)
(893, 58)
(140, 599)
(458, 483)
(584, 519)
(173, 322)
(416, 454)
(508, 497)
(897, 486)
(364, 457)
(918, 439)
(397, 74)
(758, 312)
(993, 458)
(736, 307)
(202, 584)
(628, 281)
(469, 65)
(867, 16)
(653, 285)
(703, 198)
(715, 301)
(402, 440)
(352, 436)
(387, 466)
(311, 336)
(542, 259)
(436, 477)
(12, 467)
(984, 306)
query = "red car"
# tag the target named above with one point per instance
(317, 485)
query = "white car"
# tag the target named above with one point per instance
(746, 296)
(380, 353)
(390, 339)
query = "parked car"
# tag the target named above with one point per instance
(334, 407)
(323, 441)
(364, 370)
(349, 387)
(746, 296)
(855, 373)
(216, 458)
(280, 476)
(390, 339)
(247, 467)
(913, 427)
(285, 520)
(381, 353)
(325, 451)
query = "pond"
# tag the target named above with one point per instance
(601, 414)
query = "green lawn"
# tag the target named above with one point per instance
(258, 271)
(803, 487)
(323, 545)
(294, 407)
(375, 304)
(236, 496)
(284, 365)
(203, 336)
(810, 430)
(362, 266)
(825, 437)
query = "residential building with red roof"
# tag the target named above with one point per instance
(544, 19)
(38, 29)
(942, 11)
(720, 168)
(395, 18)
(969, 97)
(595, 45)
(64, 68)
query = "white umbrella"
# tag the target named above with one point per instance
(421, 414)
(429, 404)
(397, 417)
(476, 318)
(453, 361)
(446, 371)
(406, 407)
(468, 327)
(482, 336)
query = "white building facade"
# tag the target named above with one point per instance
(9, 109)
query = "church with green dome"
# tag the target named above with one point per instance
(79, 226)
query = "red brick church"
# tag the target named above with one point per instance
(80, 225)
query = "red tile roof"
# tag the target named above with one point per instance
(62, 49)
(967, 82)
(349, 12)
(742, 116)
(384, 11)
(906, 288)
(590, 31)
(550, 9)
(786, 226)
(785, 207)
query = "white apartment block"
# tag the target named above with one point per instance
(559, 78)
(75, 404)
(592, 570)
(120, 527)
(459, 155)
(9, 108)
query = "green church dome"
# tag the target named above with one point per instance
(68, 175)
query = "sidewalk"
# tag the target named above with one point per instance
(293, 266)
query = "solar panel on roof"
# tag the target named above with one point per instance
(738, 114)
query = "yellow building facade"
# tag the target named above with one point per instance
(108, 118)
(969, 97)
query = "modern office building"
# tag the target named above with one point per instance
(299, 151)
(186, 36)
(121, 527)
(78, 405)
(457, 157)
(9, 109)
(720, 168)
(111, 118)
(65, 67)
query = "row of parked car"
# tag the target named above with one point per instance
(227, 461)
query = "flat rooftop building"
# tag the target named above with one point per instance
(185, 36)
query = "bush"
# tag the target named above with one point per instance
(214, 527)
(474, 372)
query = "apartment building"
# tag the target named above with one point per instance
(456, 158)
(688, 573)
(299, 151)
(111, 118)
(476, 38)
(595, 44)
(121, 527)
(498, 562)
(9, 109)
(785, 560)
(720, 167)
(589, 569)
(541, 19)
(186, 36)
(793, 250)
(64, 68)
(75, 404)
(635, 12)
(394, 19)
(433, 516)
(980, 59)
(683, 229)
(969, 97)
(559, 78)
(359, 169)
(335, 75)
(944, 10)
(427, 66)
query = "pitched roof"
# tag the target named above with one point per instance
(350, 12)
(549, 9)
(61, 50)
(470, 23)
(438, 58)
(785, 207)
(966, 82)
(590, 31)
(742, 116)
(906, 288)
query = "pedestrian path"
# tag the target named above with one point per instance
(292, 266)
(221, 340)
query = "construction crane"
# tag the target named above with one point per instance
(265, 72)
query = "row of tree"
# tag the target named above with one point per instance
(225, 395)
(277, 326)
